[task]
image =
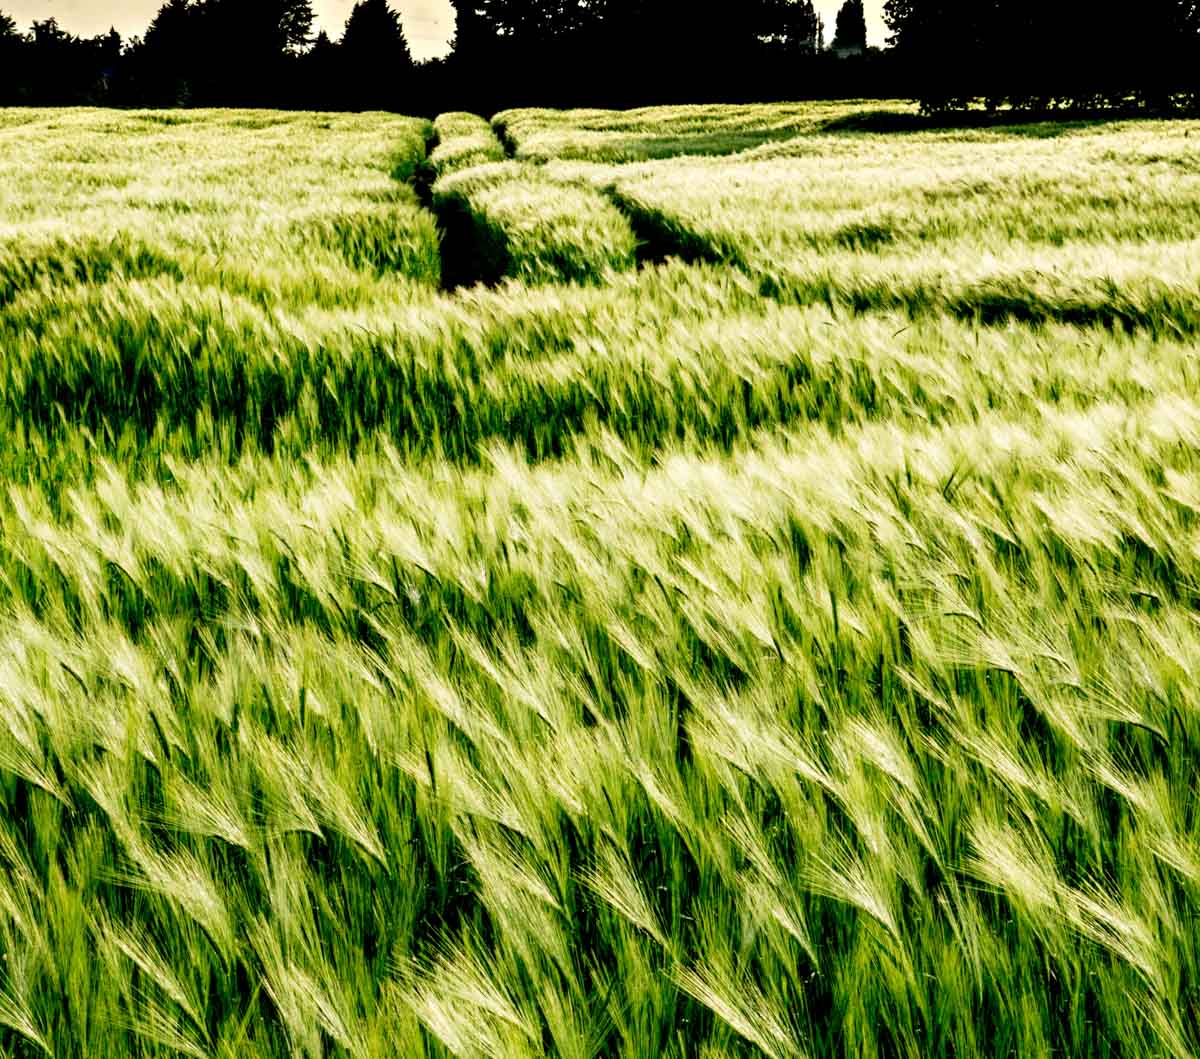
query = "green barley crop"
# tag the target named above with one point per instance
(663, 132)
(279, 208)
(522, 225)
(773, 639)
(1096, 227)
(464, 140)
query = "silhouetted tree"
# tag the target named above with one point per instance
(943, 47)
(901, 17)
(470, 75)
(1040, 56)
(222, 52)
(802, 28)
(49, 46)
(318, 84)
(295, 25)
(171, 26)
(1163, 43)
(273, 27)
(161, 63)
(527, 22)
(322, 46)
(376, 63)
(474, 33)
(52, 67)
(107, 51)
(518, 50)
(771, 46)
(626, 52)
(851, 32)
(11, 48)
(245, 48)
(1034, 54)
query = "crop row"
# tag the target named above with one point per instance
(464, 140)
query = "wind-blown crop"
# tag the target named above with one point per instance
(464, 140)
(516, 223)
(778, 640)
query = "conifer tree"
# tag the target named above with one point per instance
(376, 62)
(851, 29)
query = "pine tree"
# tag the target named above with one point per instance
(261, 30)
(318, 84)
(170, 25)
(11, 47)
(323, 49)
(804, 31)
(295, 23)
(374, 30)
(851, 30)
(376, 62)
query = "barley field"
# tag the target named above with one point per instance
(700, 582)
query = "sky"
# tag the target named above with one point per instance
(428, 24)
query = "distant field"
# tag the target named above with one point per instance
(693, 582)
(663, 132)
(1099, 225)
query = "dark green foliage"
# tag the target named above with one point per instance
(258, 40)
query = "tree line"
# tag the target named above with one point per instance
(1045, 55)
(949, 54)
(622, 52)
(215, 53)
(505, 52)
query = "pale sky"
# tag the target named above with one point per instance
(428, 24)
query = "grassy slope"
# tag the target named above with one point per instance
(641, 668)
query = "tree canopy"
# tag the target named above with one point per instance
(851, 26)
(376, 64)
(1033, 54)
(948, 54)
